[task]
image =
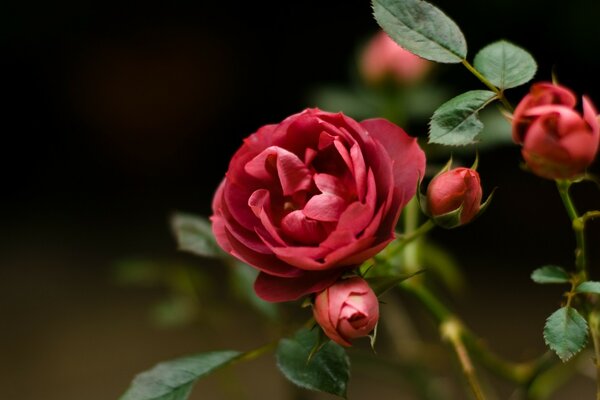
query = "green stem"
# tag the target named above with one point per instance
(521, 373)
(578, 224)
(491, 86)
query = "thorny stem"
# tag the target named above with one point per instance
(578, 224)
(487, 83)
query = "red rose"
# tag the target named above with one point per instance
(453, 189)
(307, 199)
(347, 310)
(558, 142)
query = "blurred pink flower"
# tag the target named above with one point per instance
(383, 58)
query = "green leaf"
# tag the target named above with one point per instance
(456, 122)
(566, 332)
(194, 235)
(588, 287)
(242, 283)
(505, 65)
(328, 370)
(422, 29)
(381, 284)
(550, 274)
(173, 380)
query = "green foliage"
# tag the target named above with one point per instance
(422, 29)
(242, 283)
(194, 235)
(550, 274)
(566, 332)
(456, 122)
(505, 65)
(173, 380)
(589, 287)
(327, 371)
(381, 284)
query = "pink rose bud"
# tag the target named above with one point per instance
(347, 310)
(457, 190)
(383, 58)
(309, 198)
(558, 141)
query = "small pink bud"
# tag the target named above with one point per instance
(558, 141)
(383, 58)
(450, 190)
(347, 310)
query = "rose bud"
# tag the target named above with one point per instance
(310, 198)
(384, 59)
(454, 197)
(347, 310)
(558, 141)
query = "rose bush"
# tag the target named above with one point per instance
(383, 58)
(308, 198)
(453, 190)
(347, 310)
(558, 142)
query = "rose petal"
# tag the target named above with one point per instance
(325, 207)
(275, 289)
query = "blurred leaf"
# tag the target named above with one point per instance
(505, 65)
(455, 123)
(138, 272)
(566, 332)
(589, 287)
(550, 274)
(173, 380)
(422, 29)
(194, 235)
(242, 282)
(174, 311)
(441, 263)
(328, 370)
(381, 284)
(356, 104)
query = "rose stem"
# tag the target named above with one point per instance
(449, 327)
(487, 83)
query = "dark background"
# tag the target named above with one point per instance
(114, 114)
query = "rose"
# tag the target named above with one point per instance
(309, 198)
(347, 310)
(383, 58)
(558, 142)
(457, 190)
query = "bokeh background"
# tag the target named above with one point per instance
(116, 114)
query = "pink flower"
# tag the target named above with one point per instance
(383, 58)
(558, 142)
(309, 198)
(347, 310)
(453, 189)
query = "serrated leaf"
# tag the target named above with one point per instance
(194, 234)
(550, 274)
(566, 332)
(505, 65)
(328, 370)
(381, 284)
(456, 122)
(588, 287)
(173, 380)
(422, 29)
